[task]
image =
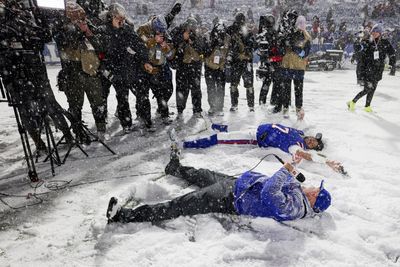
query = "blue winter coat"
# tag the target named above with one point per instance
(279, 136)
(279, 197)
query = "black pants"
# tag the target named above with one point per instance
(277, 88)
(188, 78)
(143, 107)
(264, 90)
(287, 89)
(369, 90)
(287, 75)
(242, 69)
(215, 80)
(215, 195)
(123, 108)
(162, 88)
(106, 84)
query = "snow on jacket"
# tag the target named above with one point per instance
(372, 68)
(279, 136)
(279, 197)
(297, 50)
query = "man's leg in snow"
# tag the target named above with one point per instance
(215, 198)
(200, 177)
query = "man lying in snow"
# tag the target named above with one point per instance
(287, 139)
(279, 197)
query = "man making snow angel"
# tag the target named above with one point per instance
(287, 139)
(280, 197)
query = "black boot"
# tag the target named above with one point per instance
(112, 210)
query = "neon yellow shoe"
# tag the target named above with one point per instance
(368, 109)
(351, 105)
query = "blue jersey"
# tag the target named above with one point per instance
(279, 136)
(279, 197)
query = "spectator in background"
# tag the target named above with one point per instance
(375, 50)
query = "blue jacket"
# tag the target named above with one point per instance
(279, 197)
(279, 136)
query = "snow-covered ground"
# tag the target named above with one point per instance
(361, 228)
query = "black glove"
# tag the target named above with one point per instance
(176, 9)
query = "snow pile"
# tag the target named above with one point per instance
(69, 228)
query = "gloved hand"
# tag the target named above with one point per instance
(107, 74)
(392, 71)
(302, 54)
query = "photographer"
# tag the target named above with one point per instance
(159, 80)
(126, 59)
(271, 55)
(294, 63)
(216, 54)
(189, 45)
(240, 61)
(79, 74)
(24, 72)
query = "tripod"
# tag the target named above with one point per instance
(52, 151)
(7, 98)
(80, 127)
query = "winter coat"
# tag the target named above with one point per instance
(187, 53)
(297, 49)
(125, 52)
(270, 48)
(217, 48)
(158, 56)
(242, 44)
(279, 197)
(279, 136)
(77, 52)
(371, 68)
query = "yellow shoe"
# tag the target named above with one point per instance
(368, 109)
(351, 105)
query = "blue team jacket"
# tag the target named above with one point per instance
(279, 136)
(279, 197)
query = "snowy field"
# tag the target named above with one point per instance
(361, 228)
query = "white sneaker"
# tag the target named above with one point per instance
(234, 108)
(198, 115)
(166, 121)
(285, 113)
(300, 113)
(220, 114)
(103, 136)
(179, 117)
(151, 128)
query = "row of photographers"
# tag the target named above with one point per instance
(97, 52)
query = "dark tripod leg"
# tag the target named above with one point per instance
(27, 148)
(50, 152)
(23, 135)
(53, 152)
(100, 141)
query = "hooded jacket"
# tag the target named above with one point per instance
(372, 68)
(279, 197)
(125, 52)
